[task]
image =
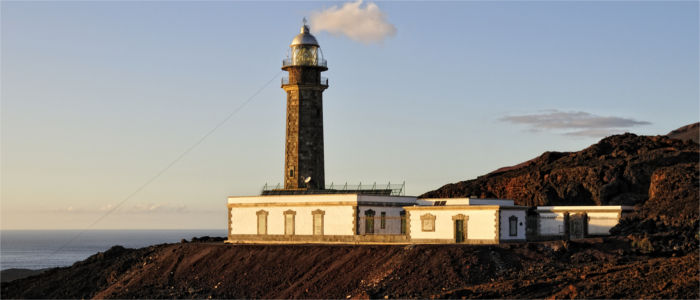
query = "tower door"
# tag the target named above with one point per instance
(459, 231)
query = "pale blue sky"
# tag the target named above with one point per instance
(97, 97)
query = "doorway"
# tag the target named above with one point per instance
(459, 231)
(460, 228)
(578, 225)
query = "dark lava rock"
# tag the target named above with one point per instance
(208, 239)
(616, 171)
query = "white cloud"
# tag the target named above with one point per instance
(575, 123)
(365, 24)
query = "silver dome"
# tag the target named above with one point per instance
(304, 38)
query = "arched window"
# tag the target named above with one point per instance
(427, 222)
(318, 221)
(289, 216)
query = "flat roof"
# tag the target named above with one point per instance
(321, 199)
(466, 207)
(585, 208)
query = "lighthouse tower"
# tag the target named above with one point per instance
(303, 163)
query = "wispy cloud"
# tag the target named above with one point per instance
(366, 24)
(575, 123)
(134, 209)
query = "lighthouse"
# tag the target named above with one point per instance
(303, 163)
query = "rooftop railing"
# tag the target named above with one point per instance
(365, 189)
(323, 81)
(319, 62)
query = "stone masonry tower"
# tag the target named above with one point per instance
(303, 163)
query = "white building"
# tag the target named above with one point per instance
(357, 218)
(319, 218)
(465, 220)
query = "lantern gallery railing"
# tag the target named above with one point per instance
(364, 189)
(319, 62)
(324, 81)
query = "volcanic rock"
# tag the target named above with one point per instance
(616, 171)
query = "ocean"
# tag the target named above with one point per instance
(39, 249)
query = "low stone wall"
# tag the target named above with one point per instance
(352, 239)
(452, 241)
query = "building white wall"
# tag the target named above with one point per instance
(551, 224)
(337, 220)
(480, 226)
(600, 218)
(465, 201)
(505, 224)
(393, 221)
(600, 223)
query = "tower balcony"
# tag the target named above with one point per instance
(323, 81)
(319, 62)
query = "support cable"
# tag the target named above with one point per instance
(169, 165)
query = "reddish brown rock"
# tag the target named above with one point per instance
(688, 132)
(617, 170)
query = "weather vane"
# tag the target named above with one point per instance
(304, 20)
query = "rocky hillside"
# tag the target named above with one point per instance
(595, 268)
(617, 170)
(688, 132)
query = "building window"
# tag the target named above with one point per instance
(403, 222)
(382, 221)
(318, 221)
(262, 222)
(291, 172)
(289, 222)
(427, 222)
(513, 226)
(369, 221)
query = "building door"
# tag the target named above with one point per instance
(459, 231)
(578, 224)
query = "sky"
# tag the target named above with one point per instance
(115, 114)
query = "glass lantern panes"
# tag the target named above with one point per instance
(304, 55)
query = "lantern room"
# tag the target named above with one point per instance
(304, 51)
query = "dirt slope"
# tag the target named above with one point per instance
(589, 268)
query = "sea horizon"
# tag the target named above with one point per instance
(40, 249)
